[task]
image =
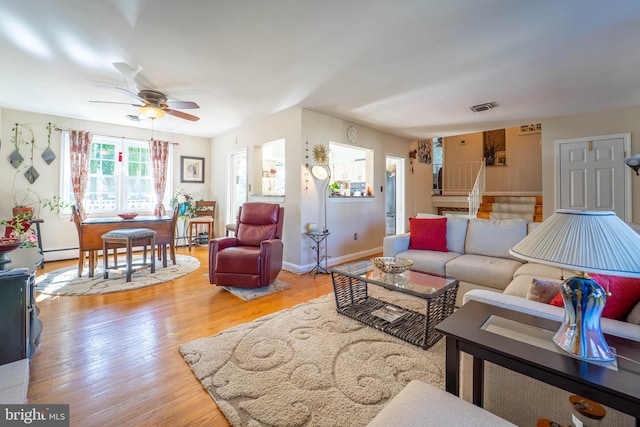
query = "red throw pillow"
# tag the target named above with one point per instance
(625, 294)
(428, 234)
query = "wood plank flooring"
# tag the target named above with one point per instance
(114, 358)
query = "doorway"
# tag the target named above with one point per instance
(394, 196)
(236, 185)
(592, 175)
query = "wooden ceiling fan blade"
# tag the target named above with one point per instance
(182, 115)
(183, 105)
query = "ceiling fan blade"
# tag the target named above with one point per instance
(181, 114)
(133, 75)
(183, 105)
(119, 103)
(134, 95)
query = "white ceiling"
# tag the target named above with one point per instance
(411, 68)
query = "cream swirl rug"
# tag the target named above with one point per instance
(65, 281)
(308, 366)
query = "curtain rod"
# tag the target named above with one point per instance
(112, 136)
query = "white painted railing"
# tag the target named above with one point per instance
(453, 179)
(475, 196)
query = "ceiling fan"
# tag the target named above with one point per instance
(153, 105)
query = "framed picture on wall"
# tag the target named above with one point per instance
(191, 169)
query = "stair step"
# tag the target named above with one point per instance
(503, 207)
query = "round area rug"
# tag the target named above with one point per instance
(65, 281)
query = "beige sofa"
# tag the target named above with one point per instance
(478, 253)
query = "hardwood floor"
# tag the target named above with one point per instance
(114, 358)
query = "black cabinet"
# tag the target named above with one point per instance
(20, 327)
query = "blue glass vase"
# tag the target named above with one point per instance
(183, 209)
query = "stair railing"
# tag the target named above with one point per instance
(475, 196)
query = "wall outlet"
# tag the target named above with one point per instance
(355, 236)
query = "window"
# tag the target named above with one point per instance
(119, 176)
(351, 170)
(271, 156)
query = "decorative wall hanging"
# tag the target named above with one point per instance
(191, 169)
(15, 158)
(320, 154)
(530, 129)
(48, 155)
(412, 155)
(494, 141)
(424, 151)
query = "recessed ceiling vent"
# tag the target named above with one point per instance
(483, 107)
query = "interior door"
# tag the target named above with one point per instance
(237, 184)
(394, 196)
(592, 174)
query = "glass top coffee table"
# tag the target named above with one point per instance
(350, 286)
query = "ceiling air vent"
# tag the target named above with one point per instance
(483, 107)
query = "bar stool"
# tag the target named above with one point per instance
(129, 238)
(205, 212)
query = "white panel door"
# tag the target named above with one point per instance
(592, 174)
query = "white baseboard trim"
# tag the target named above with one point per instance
(305, 268)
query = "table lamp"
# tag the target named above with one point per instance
(588, 242)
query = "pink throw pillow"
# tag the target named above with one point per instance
(543, 290)
(428, 234)
(625, 294)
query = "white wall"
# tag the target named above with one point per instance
(58, 232)
(610, 122)
(303, 199)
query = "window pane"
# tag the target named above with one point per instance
(119, 177)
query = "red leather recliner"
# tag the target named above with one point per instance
(253, 258)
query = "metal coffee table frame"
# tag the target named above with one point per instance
(350, 286)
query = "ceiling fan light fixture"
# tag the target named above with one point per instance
(151, 112)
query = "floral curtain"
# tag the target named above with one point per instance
(159, 151)
(80, 147)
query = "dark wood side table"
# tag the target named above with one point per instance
(469, 330)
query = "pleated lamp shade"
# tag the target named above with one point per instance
(587, 241)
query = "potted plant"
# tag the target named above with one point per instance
(490, 154)
(55, 204)
(24, 200)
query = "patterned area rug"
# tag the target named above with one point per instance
(65, 281)
(253, 293)
(309, 366)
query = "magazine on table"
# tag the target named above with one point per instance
(389, 313)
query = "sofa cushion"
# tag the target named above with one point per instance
(429, 261)
(456, 231)
(483, 270)
(625, 294)
(494, 238)
(634, 315)
(543, 290)
(544, 271)
(428, 234)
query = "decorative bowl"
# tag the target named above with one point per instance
(129, 215)
(392, 265)
(9, 244)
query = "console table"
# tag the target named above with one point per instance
(20, 327)
(471, 330)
